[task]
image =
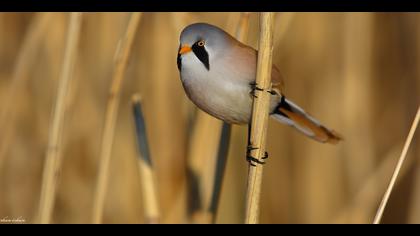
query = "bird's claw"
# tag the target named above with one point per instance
(265, 155)
(252, 159)
(254, 87)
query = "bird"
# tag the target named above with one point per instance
(218, 74)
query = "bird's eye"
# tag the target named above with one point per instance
(201, 43)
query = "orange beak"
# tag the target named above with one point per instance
(185, 49)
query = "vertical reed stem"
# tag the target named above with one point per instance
(122, 56)
(219, 171)
(53, 156)
(403, 155)
(259, 121)
(146, 170)
(25, 58)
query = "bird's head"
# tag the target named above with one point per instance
(200, 44)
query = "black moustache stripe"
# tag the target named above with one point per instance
(201, 54)
(179, 62)
(179, 59)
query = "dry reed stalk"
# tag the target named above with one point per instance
(219, 172)
(414, 214)
(121, 61)
(403, 155)
(145, 164)
(259, 120)
(53, 156)
(25, 58)
(358, 211)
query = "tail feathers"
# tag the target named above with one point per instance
(289, 113)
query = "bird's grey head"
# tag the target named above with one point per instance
(205, 41)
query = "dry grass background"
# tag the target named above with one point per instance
(357, 72)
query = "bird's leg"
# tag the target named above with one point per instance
(249, 147)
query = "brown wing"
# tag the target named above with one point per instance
(249, 56)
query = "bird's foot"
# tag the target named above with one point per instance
(254, 87)
(252, 160)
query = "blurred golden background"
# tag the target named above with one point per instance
(358, 73)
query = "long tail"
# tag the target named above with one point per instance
(289, 113)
